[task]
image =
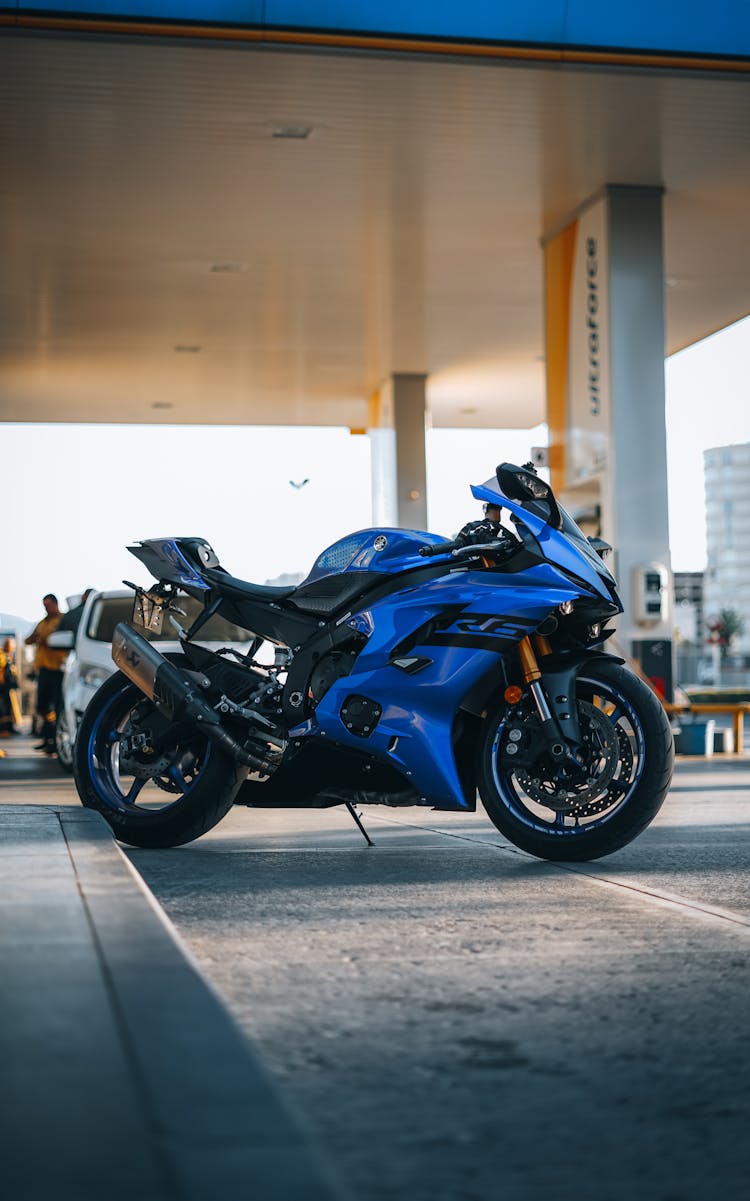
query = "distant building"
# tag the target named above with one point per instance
(727, 576)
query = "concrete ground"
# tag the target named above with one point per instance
(123, 1074)
(453, 1020)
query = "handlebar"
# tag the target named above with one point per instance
(443, 548)
(461, 550)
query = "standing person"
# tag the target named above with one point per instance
(10, 710)
(72, 619)
(48, 665)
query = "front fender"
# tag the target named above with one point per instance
(561, 659)
(559, 671)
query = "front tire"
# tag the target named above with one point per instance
(158, 784)
(630, 752)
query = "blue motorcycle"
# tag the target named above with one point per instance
(407, 669)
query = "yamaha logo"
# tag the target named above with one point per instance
(381, 542)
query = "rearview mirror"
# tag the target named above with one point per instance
(61, 640)
(601, 547)
(522, 483)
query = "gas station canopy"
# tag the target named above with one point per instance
(261, 223)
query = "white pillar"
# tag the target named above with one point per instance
(638, 479)
(397, 428)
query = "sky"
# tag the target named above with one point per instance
(76, 496)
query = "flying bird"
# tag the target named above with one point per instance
(299, 485)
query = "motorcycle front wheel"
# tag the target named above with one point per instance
(158, 783)
(627, 752)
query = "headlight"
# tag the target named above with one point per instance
(93, 677)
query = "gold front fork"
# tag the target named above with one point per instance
(527, 653)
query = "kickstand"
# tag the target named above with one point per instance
(358, 821)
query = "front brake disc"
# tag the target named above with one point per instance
(604, 747)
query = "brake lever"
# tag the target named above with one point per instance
(478, 548)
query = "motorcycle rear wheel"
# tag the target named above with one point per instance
(183, 793)
(631, 753)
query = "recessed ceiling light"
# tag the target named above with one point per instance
(227, 268)
(185, 348)
(298, 132)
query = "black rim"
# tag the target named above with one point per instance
(139, 783)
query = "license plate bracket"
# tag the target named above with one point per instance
(149, 611)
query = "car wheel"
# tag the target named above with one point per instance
(64, 741)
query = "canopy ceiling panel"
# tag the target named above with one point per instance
(218, 232)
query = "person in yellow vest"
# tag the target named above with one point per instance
(48, 665)
(10, 710)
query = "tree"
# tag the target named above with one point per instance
(723, 630)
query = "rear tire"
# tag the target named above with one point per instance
(161, 799)
(631, 753)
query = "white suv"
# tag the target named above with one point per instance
(89, 662)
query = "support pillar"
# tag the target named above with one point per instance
(397, 427)
(604, 278)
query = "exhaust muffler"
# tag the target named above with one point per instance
(174, 693)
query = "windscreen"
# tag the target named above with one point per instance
(576, 535)
(573, 532)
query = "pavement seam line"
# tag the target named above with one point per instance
(161, 1155)
(669, 900)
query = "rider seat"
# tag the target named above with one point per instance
(242, 590)
(319, 597)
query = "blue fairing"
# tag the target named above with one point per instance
(568, 548)
(488, 614)
(415, 730)
(165, 560)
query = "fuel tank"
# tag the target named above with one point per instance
(378, 550)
